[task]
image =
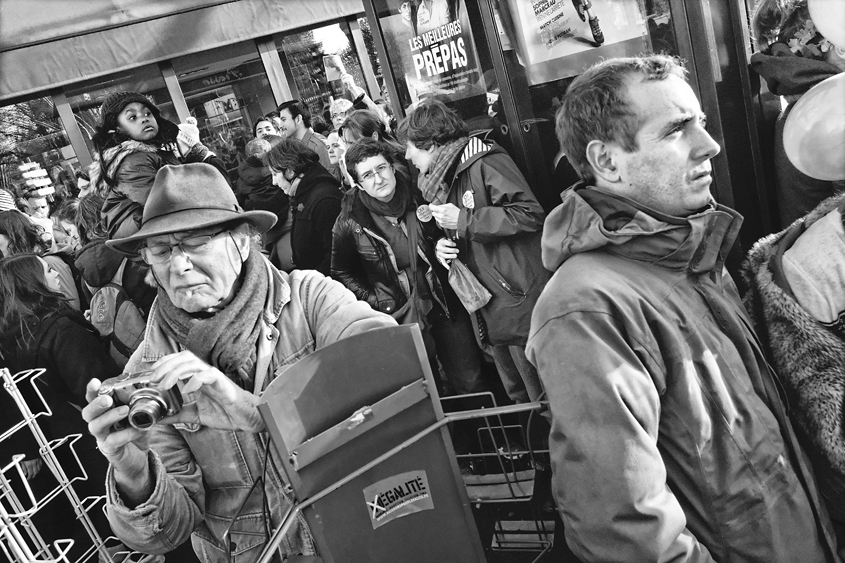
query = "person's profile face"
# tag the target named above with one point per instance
(421, 158)
(138, 122)
(376, 177)
(51, 276)
(288, 125)
(200, 280)
(283, 179)
(670, 170)
(336, 147)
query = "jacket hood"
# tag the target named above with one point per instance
(788, 74)
(806, 261)
(98, 263)
(475, 149)
(254, 173)
(591, 218)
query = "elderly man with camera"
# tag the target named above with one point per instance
(188, 451)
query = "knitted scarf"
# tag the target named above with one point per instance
(432, 185)
(395, 207)
(228, 339)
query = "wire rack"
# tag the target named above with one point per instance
(20, 539)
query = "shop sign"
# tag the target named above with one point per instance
(433, 43)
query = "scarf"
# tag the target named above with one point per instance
(227, 340)
(395, 207)
(114, 157)
(432, 184)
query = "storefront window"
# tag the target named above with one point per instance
(32, 132)
(227, 91)
(313, 58)
(85, 98)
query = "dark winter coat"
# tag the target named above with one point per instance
(255, 191)
(669, 439)
(134, 177)
(71, 353)
(499, 240)
(364, 262)
(789, 75)
(98, 264)
(315, 205)
(809, 357)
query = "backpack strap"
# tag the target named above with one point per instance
(118, 276)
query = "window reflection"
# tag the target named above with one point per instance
(317, 82)
(32, 132)
(227, 91)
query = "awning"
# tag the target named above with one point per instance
(127, 34)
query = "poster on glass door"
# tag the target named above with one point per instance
(556, 39)
(432, 42)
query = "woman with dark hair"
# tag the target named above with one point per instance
(364, 124)
(98, 264)
(39, 330)
(315, 202)
(18, 235)
(383, 251)
(133, 142)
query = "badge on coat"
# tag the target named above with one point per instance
(424, 213)
(468, 200)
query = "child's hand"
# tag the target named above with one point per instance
(189, 135)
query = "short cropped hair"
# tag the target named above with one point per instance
(340, 105)
(432, 123)
(296, 107)
(596, 107)
(361, 150)
(291, 154)
(257, 147)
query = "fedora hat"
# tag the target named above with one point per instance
(187, 197)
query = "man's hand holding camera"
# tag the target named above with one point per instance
(217, 403)
(220, 403)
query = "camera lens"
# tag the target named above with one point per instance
(146, 407)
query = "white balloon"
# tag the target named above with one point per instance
(829, 17)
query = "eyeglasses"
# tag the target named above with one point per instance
(161, 253)
(370, 175)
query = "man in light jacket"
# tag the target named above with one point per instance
(227, 323)
(669, 439)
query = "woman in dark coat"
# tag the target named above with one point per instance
(314, 200)
(39, 330)
(383, 251)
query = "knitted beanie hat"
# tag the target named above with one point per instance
(114, 103)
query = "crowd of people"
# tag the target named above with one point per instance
(683, 421)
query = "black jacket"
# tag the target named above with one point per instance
(316, 205)
(71, 353)
(255, 191)
(499, 230)
(364, 262)
(98, 264)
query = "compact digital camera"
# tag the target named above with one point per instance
(147, 403)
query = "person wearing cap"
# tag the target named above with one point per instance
(224, 324)
(133, 141)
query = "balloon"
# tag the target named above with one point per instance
(814, 133)
(829, 17)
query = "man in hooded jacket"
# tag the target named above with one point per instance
(669, 439)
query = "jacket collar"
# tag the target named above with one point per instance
(591, 218)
